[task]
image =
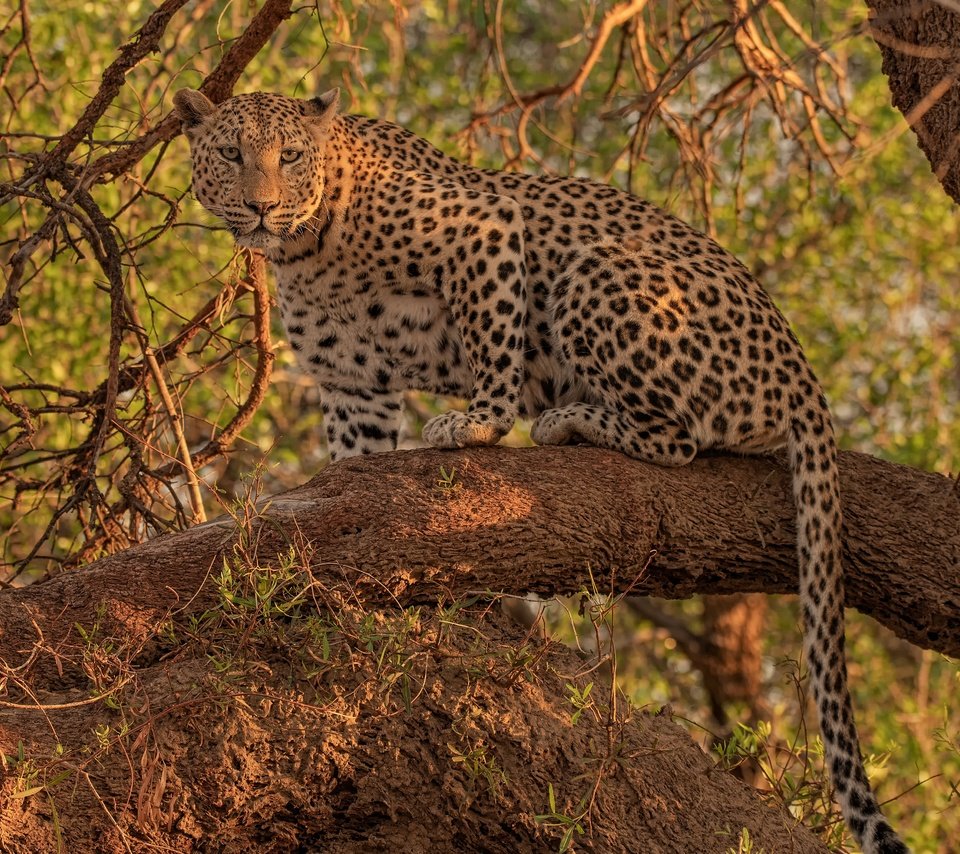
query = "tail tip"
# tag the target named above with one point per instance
(886, 841)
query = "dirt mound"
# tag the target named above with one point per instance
(284, 720)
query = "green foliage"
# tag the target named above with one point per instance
(859, 250)
(570, 826)
(32, 780)
(795, 779)
(580, 700)
(745, 844)
(448, 480)
(480, 766)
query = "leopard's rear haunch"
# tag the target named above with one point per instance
(594, 312)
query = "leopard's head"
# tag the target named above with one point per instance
(258, 160)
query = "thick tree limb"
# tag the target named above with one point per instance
(390, 529)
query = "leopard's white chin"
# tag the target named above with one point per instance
(258, 238)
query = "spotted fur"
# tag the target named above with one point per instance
(596, 313)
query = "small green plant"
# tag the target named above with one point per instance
(319, 631)
(745, 844)
(25, 769)
(521, 660)
(479, 765)
(89, 636)
(745, 742)
(448, 480)
(389, 641)
(580, 698)
(570, 825)
(102, 732)
(950, 742)
(796, 776)
(448, 612)
(30, 779)
(270, 592)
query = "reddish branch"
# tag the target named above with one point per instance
(257, 280)
(145, 42)
(217, 86)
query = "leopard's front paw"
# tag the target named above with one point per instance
(555, 427)
(462, 430)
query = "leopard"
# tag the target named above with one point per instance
(596, 314)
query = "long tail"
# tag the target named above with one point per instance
(816, 490)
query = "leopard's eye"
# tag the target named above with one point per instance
(231, 153)
(290, 155)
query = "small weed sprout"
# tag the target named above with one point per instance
(479, 765)
(745, 844)
(30, 779)
(571, 825)
(25, 769)
(448, 480)
(102, 732)
(580, 699)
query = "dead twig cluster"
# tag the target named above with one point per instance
(118, 482)
(703, 73)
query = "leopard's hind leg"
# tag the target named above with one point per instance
(657, 440)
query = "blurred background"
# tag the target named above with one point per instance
(144, 384)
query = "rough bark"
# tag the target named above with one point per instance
(267, 756)
(920, 43)
(145, 706)
(388, 529)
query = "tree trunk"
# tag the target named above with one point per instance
(920, 43)
(732, 652)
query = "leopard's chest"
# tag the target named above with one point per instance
(365, 333)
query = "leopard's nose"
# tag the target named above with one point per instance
(261, 206)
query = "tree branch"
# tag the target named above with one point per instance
(919, 42)
(218, 86)
(383, 530)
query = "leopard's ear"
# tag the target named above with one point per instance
(193, 108)
(321, 110)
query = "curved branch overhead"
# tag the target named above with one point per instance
(393, 529)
